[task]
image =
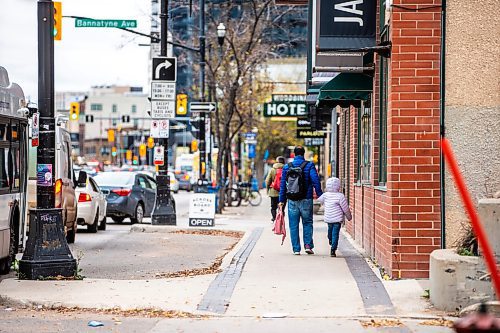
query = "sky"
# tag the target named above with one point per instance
(85, 56)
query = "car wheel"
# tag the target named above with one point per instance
(102, 225)
(6, 262)
(92, 228)
(139, 214)
(118, 219)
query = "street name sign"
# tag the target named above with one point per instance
(163, 90)
(164, 69)
(202, 210)
(202, 106)
(160, 129)
(159, 155)
(161, 109)
(94, 23)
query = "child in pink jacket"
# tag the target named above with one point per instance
(336, 207)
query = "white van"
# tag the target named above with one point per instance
(66, 181)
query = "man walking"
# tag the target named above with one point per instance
(297, 181)
(273, 183)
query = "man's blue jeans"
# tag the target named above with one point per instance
(333, 234)
(296, 210)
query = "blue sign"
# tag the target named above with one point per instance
(251, 151)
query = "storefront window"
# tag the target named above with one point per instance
(384, 72)
(364, 142)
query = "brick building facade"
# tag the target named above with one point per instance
(389, 156)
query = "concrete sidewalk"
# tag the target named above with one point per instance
(260, 278)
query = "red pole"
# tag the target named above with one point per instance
(471, 210)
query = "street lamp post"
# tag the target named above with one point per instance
(164, 211)
(47, 253)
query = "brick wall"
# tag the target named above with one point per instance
(400, 225)
(413, 137)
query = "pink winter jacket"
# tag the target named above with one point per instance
(336, 205)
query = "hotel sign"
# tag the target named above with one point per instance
(286, 105)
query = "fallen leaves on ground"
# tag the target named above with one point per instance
(381, 323)
(212, 269)
(144, 313)
(437, 322)
(226, 233)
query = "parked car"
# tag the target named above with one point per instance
(129, 195)
(174, 183)
(66, 180)
(91, 206)
(184, 180)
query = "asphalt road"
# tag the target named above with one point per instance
(120, 254)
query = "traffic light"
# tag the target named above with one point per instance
(194, 146)
(182, 100)
(151, 142)
(111, 135)
(113, 151)
(128, 155)
(74, 110)
(142, 150)
(57, 20)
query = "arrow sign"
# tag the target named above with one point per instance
(164, 69)
(202, 106)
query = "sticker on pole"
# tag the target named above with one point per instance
(160, 129)
(202, 210)
(159, 155)
(35, 129)
(44, 175)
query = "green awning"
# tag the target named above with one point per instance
(346, 88)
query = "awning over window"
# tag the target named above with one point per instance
(345, 88)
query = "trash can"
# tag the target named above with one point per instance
(215, 189)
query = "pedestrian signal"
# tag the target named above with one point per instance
(57, 20)
(111, 135)
(74, 110)
(125, 119)
(182, 100)
(89, 118)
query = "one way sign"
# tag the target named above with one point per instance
(164, 69)
(202, 106)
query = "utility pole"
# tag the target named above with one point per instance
(47, 253)
(163, 212)
(202, 183)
